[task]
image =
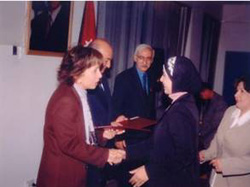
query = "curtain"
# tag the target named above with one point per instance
(163, 25)
(171, 22)
(210, 39)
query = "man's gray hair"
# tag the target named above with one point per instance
(144, 46)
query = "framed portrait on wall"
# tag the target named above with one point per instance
(48, 27)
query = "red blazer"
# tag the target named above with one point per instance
(65, 153)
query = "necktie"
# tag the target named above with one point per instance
(144, 82)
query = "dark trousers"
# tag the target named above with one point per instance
(96, 177)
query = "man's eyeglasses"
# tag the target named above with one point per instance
(142, 58)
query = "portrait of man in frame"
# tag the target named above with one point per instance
(49, 28)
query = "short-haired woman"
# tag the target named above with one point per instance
(70, 141)
(229, 150)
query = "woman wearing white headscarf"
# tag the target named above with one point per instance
(173, 154)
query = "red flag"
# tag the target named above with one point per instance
(88, 32)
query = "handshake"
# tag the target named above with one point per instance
(116, 156)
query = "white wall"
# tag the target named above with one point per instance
(11, 22)
(234, 36)
(26, 83)
(193, 48)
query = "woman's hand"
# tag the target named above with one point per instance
(116, 156)
(109, 133)
(216, 163)
(117, 130)
(139, 176)
(117, 123)
(120, 144)
(201, 156)
(121, 118)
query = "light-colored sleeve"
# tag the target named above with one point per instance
(212, 151)
(236, 165)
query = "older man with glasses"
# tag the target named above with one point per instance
(132, 90)
(133, 96)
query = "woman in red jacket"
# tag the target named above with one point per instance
(70, 141)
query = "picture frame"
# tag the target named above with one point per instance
(49, 25)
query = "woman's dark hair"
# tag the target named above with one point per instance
(76, 61)
(245, 82)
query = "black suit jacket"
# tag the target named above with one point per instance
(129, 99)
(173, 149)
(100, 103)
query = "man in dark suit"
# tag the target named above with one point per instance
(100, 105)
(133, 96)
(100, 98)
(49, 30)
